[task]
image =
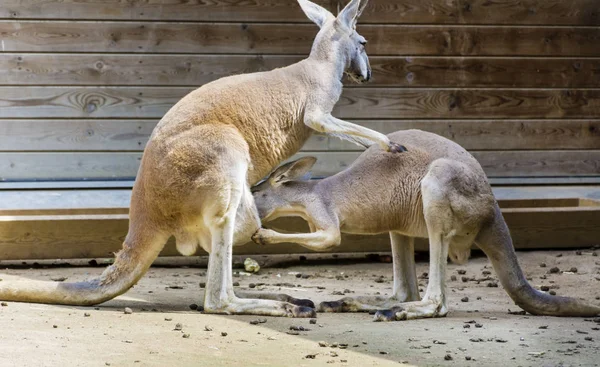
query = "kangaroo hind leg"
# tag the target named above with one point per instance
(406, 287)
(221, 219)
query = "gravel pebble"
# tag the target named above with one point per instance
(447, 357)
(127, 311)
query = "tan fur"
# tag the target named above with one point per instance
(203, 156)
(436, 190)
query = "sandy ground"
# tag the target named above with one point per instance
(43, 335)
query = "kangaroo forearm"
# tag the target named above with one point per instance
(318, 240)
(328, 124)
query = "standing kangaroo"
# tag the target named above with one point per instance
(203, 156)
(437, 190)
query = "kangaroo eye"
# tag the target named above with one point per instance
(363, 43)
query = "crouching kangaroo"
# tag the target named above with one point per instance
(436, 190)
(203, 156)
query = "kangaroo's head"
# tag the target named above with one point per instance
(283, 191)
(338, 40)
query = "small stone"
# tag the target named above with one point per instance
(168, 319)
(178, 327)
(545, 288)
(589, 338)
(186, 336)
(251, 285)
(479, 326)
(466, 326)
(552, 293)
(55, 326)
(554, 270)
(500, 340)
(298, 328)
(310, 356)
(207, 328)
(542, 265)
(543, 327)
(86, 314)
(492, 285)
(258, 321)
(193, 306)
(578, 253)
(468, 358)
(464, 279)
(3, 304)
(447, 357)
(251, 265)
(236, 284)
(127, 311)
(202, 285)
(323, 344)
(313, 321)
(573, 270)
(464, 299)
(453, 278)
(383, 352)
(461, 271)
(58, 279)
(559, 255)
(223, 333)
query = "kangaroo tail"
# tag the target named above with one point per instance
(139, 250)
(494, 239)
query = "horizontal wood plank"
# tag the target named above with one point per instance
(89, 236)
(69, 166)
(132, 135)
(195, 70)
(294, 39)
(358, 103)
(575, 12)
(494, 163)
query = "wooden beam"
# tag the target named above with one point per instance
(355, 103)
(195, 70)
(132, 135)
(294, 39)
(69, 166)
(551, 12)
(75, 234)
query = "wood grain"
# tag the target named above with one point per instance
(355, 103)
(552, 12)
(132, 135)
(467, 103)
(294, 39)
(100, 235)
(494, 163)
(195, 70)
(69, 166)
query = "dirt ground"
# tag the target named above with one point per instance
(162, 330)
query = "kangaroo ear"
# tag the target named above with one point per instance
(314, 12)
(292, 170)
(349, 15)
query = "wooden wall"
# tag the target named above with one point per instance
(517, 82)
